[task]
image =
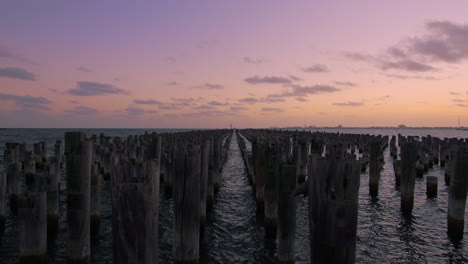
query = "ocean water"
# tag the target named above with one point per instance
(234, 234)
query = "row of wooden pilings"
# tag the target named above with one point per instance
(187, 163)
(329, 165)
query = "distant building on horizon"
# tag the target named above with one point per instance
(402, 126)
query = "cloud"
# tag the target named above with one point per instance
(17, 73)
(267, 79)
(170, 59)
(446, 41)
(84, 69)
(416, 77)
(172, 83)
(238, 108)
(210, 86)
(82, 110)
(9, 55)
(249, 100)
(407, 65)
(203, 107)
(349, 104)
(317, 68)
(209, 113)
(351, 84)
(454, 93)
(216, 103)
(301, 99)
(295, 78)
(301, 91)
(357, 56)
(459, 100)
(147, 102)
(93, 89)
(253, 60)
(271, 109)
(135, 111)
(27, 101)
(206, 44)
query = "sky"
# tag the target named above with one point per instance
(210, 64)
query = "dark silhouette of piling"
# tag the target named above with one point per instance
(408, 175)
(32, 227)
(187, 205)
(14, 184)
(286, 214)
(3, 196)
(53, 198)
(78, 152)
(205, 154)
(374, 169)
(271, 192)
(95, 202)
(457, 193)
(431, 186)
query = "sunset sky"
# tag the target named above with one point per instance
(208, 64)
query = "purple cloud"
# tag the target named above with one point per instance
(267, 80)
(82, 110)
(272, 109)
(317, 68)
(93, 89)
(147, 102)
(349, 104)
(17, 73)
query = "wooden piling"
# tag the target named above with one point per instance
(431, 186)
(53, 198)
(271, 192)
(205, 154)
(408, 175)
(187, 205)
(135, 209)
(457, 193)
(286, 214)
(95, 202)
(14, 184)
(32, 228)
(78, 177)
(374, 169)
(3, 196)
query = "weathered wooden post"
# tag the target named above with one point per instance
(187, 205)
(95, 202)
(14, 184)
(78, 152)
(32, 227)
(457, 193)
(260, 168)
(53, 198)
(397, 171)
(135, 209)
(58, 150)
(204, 180)
(3, 195)
(287, 214)
(408, 175)
(211, 176)
(271, 192)
(431, 186)
(374, 169)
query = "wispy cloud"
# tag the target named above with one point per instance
(253, 60)
(147, 102)
(238, 108)
(94, 88)
(317, 68)
(17, 73)
(267, 80)
(82, 110)
(136, 111)
(216, 103)
(84, 69)
(204, 107)
(6, 54)
(210, 86)
(349, 104)
(350, 84)
(272, 109)
(301, 91)
(27, 101)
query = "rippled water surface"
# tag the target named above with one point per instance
(234, 234)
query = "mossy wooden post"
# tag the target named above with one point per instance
(271, 193)
(408, 175)
(210, 182)
(95, 202)
(457, 193)
(3, 196)
(286, 214)
(187, 205)
(374, 169)
(204, 180)
(32, 227)
(53, 198)
(135, 210)
(431, 186)
(78, 174)
(14, 184)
